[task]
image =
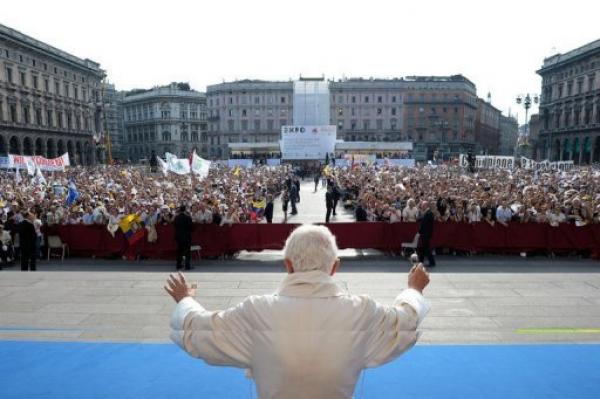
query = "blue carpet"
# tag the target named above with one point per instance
(101, 370)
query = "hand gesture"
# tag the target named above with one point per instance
(418, 278)
(177, 287)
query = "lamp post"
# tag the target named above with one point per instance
(526, 101)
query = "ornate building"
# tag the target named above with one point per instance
(247, 111)
(164, 119)
(487, 128)
(113, 119)
(50, 101)
(570, 106)
(436, 113)
(509, 132)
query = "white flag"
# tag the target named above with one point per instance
(200, 166)
(30, 166)
(39, 177)
(164, 168)
(180, 166)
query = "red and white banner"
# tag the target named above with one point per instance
(54, 164)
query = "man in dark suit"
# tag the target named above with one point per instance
(336, 196)
(360, 213)
(426, 232)
(269, 209)
(27, 240)
(328, 203)
(183, 237)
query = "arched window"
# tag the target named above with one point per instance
(166, 135)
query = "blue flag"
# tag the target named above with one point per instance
(73, 193)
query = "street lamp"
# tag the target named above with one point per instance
(526, 101)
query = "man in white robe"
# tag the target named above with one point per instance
(309, 339)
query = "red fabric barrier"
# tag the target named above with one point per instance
(217, 240)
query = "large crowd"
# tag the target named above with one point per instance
(492, 196)
(105, 194)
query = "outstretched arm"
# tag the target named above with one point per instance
(220, 338)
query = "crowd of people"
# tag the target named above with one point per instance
(491, 196)
(104, 195)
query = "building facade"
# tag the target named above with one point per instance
(50, 101)
(247, 111)
(509, 132)
(164, 119)
(570, 106)
(487, 128)
(113, 119)
(435, 113)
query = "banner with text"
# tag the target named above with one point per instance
(45, 164)
(527, 163)
(307, 142)
(489, 161)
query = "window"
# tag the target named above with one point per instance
(379, 124)
(579, 86)
(9, 75)
(244, 125)
(45, 66)
(283, 100)
(230, 100)
(25, 114)
(184, 135)
(230, 125)
(38, 116)
(69, 120)
(393, 123)
(56, 88)
(379, 111)
(76, 92)
(13, 113)
(393, 111)
(230, 112)
(47, 85)
(353, 125)
(270, 125)
(166, 136)
(340, 111)
(282, 122)
(165, 114)
(256, 125)
(380, 99)
(569, 88)
(353, 99)
(23, 79)
(66, 92)
(393, 99)
(35, 82)
(366, 124)
(243, 113)
(340, 125)
(367, 99)
(49, 120)
(352, 112)
(256, 100)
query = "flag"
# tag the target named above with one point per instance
(199, 166)
(73, 193)
(164, 168)
(39, 177)
(180, 166)
(131, 227)
(327, 170)
(236, 171)
(258, 206)
(30, 166)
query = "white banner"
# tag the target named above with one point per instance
(527, 163)
(489, 161)
(307, 142)
(32, 162)
(242, 163)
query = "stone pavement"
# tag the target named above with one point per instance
(474, 300)
(311, 208)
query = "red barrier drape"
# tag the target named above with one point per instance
(218, 240)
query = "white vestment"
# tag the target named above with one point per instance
(307, 340)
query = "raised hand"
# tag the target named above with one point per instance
(418, 277)
(177, 287)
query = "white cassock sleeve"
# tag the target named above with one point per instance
(394, 328)
(219, 338)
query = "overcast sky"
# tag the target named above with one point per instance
(497, 44)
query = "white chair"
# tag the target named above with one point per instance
(411, 245)
(54, 242)
(196, 249)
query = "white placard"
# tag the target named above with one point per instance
(307, 142)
